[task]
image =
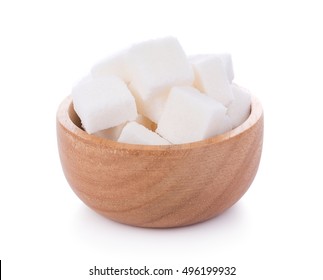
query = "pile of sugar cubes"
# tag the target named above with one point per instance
(153, 94)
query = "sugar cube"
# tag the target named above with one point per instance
(228, 66)
(112, 133)
(155, 66)
(190, 116)
(225, 58)
(239, 109)
(135, 133)
(152, 107)
(225, 125)
(152, 93)
(104, 102)
(211, 77)
(112, 65)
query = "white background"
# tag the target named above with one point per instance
(273, 232)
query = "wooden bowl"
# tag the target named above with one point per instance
(159, 186)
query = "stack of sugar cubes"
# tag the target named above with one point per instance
(153, 94)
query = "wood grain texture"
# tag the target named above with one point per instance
(159, 186)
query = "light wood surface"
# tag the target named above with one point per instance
(159, 186)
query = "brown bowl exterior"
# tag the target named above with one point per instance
(159, 186)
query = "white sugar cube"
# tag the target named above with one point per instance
(155, 66)
(190, 116)
(112, 133)
(227, 62)
(135, 133)
(225, 58)
(239, 109)
(211, 77)
(225, 125)
(103, 102)
(112, 65)
(151, 107)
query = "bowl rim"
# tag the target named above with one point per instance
(64, 120)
